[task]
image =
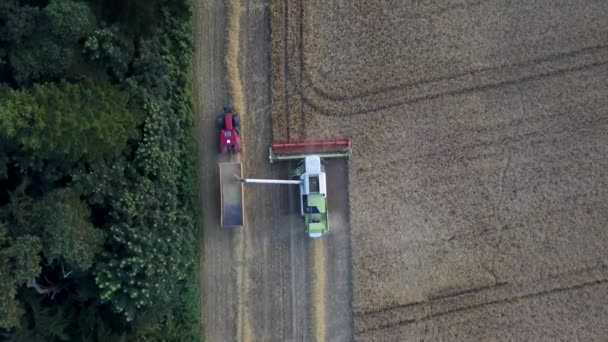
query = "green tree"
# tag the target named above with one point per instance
(150, 245)
(43, 323)
(19, 22)
(57, 227)
(44, 43)
(26, 60)
(68, 20)
(150, 248)
(70, 121)
(19, 262)
(111, 49)
(66, 230)
(149, 71)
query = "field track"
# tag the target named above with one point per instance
(262, 282)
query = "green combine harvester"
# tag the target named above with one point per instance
(309, 174)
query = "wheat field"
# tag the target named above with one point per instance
(478, 180)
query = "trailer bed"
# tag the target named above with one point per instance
(231, 194)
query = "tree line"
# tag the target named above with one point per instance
(98, 223)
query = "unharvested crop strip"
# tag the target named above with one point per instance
(232, 61)
(319, 283)
(237, 97)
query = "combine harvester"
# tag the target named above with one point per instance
(308, 174)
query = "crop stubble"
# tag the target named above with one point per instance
(478, 184)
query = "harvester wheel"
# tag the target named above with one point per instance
(236, 121)
(220, 122)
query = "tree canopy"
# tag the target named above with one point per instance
(111, 49)
(98, 235)
(66, 230)
(68, 20)
(44, 42)
(19, 262)
(70, 121)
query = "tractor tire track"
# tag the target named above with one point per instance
(317, 87)
(481, 305)
(469, 299)
(301, 65)
(582, 64)
(286, 96)
(237, 98)
(218, 279)
(479, 88)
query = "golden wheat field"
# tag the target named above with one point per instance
(478, 182)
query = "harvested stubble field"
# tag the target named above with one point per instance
(479, 175)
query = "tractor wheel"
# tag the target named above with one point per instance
(236, 121)
(220, 122)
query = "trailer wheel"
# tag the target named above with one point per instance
(220, 122)
(236, 121)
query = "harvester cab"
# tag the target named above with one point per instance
(228, 124)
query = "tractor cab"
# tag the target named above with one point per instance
(228, 125)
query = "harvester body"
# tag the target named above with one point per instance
(309, 175)
(313, 195)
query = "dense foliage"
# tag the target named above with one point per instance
(98, 225)
(70, 121)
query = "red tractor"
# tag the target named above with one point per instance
(228, 124)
